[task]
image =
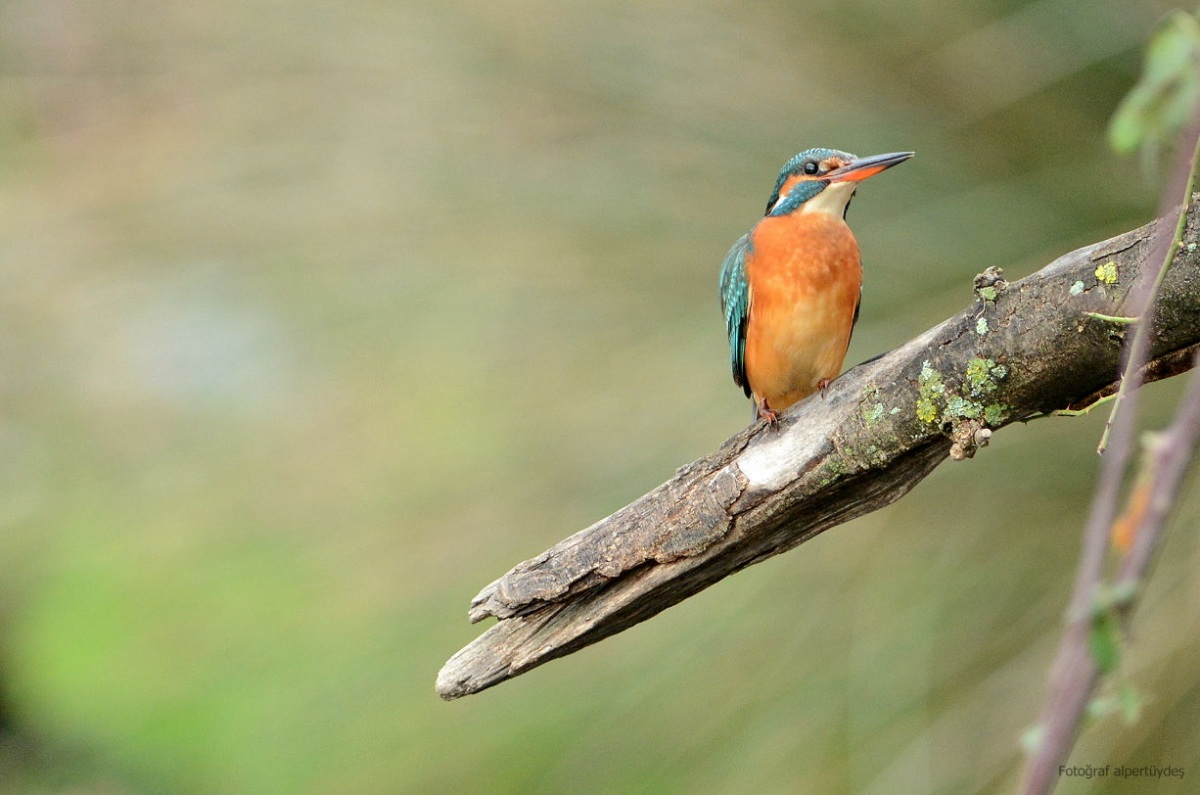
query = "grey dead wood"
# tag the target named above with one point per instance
(879, 429)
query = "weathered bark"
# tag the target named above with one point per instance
(1017, 351)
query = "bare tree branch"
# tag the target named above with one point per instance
(1018, 351)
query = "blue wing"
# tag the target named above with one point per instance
(735, 303)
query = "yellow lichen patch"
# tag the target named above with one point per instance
(1107, 273)
(931, 390)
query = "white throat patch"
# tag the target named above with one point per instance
(832, 200)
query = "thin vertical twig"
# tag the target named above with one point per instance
(1168, 456)
(1075, 672)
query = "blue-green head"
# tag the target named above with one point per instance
(824, 180)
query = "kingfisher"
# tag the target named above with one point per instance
(790, 287)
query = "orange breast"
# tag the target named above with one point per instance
(805, 278)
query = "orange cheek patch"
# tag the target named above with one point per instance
(788, 184)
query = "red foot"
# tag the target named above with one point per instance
(767, 413)
(821, 385)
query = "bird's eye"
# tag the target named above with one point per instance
(811, 167)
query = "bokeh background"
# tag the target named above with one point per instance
(316, 317)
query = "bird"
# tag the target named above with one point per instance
(790, 287)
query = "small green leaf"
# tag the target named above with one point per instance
(1130, 701)
(1171, 50)
(1100, 706)
(1104, 642)
(1031, 739)
(1119, 595)
(1160, 104)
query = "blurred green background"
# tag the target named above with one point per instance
(317, 317)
